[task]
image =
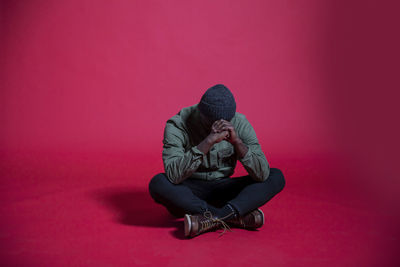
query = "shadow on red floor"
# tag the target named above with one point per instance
(133, 206)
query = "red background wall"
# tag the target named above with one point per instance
(315, 78)
(108, 75)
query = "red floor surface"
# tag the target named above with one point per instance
(94, 210)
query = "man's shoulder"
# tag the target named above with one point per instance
(241, 124)
(239, 119)
(240, 116)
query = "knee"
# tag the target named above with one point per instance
(278, 179)
(157, 183)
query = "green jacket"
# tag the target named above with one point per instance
(182, 159)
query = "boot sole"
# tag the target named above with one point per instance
(188, 225)
(263, 218)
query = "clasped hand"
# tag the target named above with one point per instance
(224, 131)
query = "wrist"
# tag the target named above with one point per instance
(236, 141)
(210, 140)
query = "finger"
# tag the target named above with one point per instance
(224, 122)
(226, 126)
(217, 128)
(218, 124)
(224, 133)
(215, 124)
(214, 129)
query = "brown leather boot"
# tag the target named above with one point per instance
(251, 220)
(198, 224)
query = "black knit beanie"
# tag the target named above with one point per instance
(218, 103)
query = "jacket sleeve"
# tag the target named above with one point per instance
(254, 161)
(178, 163)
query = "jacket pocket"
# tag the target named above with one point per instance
(225, 156)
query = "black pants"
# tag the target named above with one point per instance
(195, 196)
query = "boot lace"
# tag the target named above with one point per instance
(212, 222)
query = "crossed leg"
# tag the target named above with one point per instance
(197, 196)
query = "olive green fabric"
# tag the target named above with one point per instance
(183, 160)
